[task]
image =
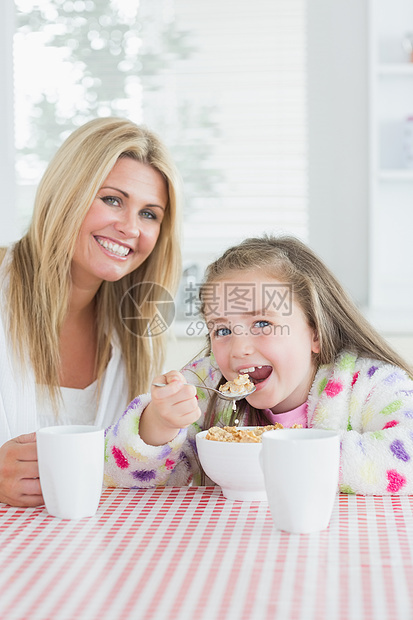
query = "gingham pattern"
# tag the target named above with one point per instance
(187, 553)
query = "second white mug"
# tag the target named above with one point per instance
(301, 469)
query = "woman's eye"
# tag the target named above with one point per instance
(149, 215)
(111, 200)
(222, 331)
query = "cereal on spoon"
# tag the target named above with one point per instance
(241, 385)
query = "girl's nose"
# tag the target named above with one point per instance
(241, 342)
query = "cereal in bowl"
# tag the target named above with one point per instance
(240, 435)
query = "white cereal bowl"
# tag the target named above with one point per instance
(234, 467)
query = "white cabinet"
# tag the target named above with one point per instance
(391, 181)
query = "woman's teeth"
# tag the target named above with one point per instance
(115, 248)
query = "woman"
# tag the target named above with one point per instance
(72, 346)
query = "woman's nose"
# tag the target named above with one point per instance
(128, 224)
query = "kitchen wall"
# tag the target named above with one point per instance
(338, 139)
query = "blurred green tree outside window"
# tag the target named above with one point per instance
(76, 60)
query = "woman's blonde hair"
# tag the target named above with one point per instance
(329, 311)
(40, 281)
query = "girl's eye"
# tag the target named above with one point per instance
(222, 331)
(262, 328)
(111, 200)
(262, 323)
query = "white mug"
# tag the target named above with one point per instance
(301, 468)
(71, 460)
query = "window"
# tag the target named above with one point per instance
(223, 83)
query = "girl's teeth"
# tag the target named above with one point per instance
(245, 371)
(119, 250)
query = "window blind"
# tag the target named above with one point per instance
(245, 80)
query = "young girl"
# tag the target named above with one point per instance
(275, 312)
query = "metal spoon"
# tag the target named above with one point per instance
(223, 395)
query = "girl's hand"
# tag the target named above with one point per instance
(19, 472)
(173, 407)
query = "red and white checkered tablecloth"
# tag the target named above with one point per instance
(190, 554)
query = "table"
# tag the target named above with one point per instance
(190, 554)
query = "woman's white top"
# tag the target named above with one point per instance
(19, 406)
(76, 407)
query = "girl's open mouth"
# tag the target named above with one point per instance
(257, 374)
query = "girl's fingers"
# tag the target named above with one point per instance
(187, 392)
(170, 377)
(183, 414)
(174, 405)
(175, 392)
(183, 409)
(174, 375)
(163, 393)
(190, 418)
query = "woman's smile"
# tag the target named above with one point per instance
(113, 248)
(122, 226)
